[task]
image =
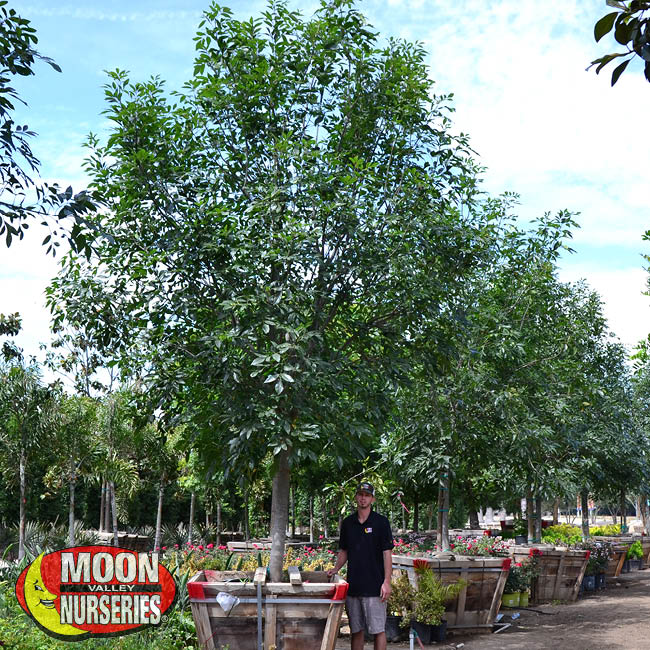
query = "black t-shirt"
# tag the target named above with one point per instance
(365, 544)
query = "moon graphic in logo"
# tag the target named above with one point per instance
(41, 603)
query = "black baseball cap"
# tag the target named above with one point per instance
(366, 487)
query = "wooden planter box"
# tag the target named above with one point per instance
(296, 615)
(628, 539)
(615, 563)
(476, 607)
(561, 572)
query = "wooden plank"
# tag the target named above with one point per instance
(332, 627)
(619, 565)
(203, 626)
(460, 604)
(581, 575)
(260, 575)
(270, 624)
(496, 598)
(294, 575)
(558, 577)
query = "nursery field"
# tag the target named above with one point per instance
(619, 617)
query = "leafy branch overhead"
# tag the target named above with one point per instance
(631, 29)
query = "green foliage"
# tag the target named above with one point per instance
(402, 595)
(635, 552)
(606, 530)
(562, 534)
(631, 29)
(431, 596)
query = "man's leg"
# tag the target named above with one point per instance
(356, 640)
(380, 641)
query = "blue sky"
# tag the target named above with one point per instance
(542, 126)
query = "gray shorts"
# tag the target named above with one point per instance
(365, 612)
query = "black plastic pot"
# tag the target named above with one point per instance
(635, 564)
(600, 581)
(430, 633)
(521, 539)
(626, 567)
(393, 630)
(589, 583)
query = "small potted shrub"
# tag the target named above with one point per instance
(429, 603)
(635, 555)
(516, 582)
(399, 608)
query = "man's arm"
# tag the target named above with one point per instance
(341, 559)
(388, 571)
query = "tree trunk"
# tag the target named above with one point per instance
(443, 513)
(292, 492)
(107, 508)
(473, 520)
(324, 510)
(161, 492)
(416, 515)
(71, 485)
(218, 522)
(190, 527)
(584, 506)
(430, 526)
(21, 523)
(311, 520)
(538, 519)
(102, 505)
(111, 486)
(530, 515)
(556, 511)
(279, 514)
(645, 520)
(623, 512)
(247, 533)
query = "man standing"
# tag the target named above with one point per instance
(366, 543)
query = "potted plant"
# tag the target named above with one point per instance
(429, 602)
(515, 584)
(635, 555)
(399, 608)
(520, 529)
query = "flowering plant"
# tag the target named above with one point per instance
(483, 545)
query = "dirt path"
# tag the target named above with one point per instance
(618, 617)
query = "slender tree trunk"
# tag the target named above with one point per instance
(645, 520)
(430, 526)
(416, 515)
(623, 511)
(556, 511)
(311, 519)
(161, 492)
(325, 517)
(102, 505)
(443, 513)
(21, 508)
(190, 527)
(71, 486)
(247, 534)
(218, 522)
(292, 493)
(530, 515)
(111, 486)
(279, 514)
(538, 519)
(473, 520)
(584, 506)
(107, 508)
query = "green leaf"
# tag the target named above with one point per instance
(618, 71)
(604, 25)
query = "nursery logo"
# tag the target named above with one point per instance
(89, 591)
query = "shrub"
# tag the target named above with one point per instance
(608, 530)
(562, 534)
(635, 552)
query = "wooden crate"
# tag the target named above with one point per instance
(615, 563)
(476, 606)
(561, 571)
(628, 539)
(293, 615)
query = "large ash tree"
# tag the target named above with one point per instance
(277, 234)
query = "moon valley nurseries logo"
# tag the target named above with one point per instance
(88, 591)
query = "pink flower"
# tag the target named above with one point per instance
(210, 545)
(164, 548)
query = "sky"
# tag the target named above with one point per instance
(541, 125)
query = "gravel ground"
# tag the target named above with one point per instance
(618, 617)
